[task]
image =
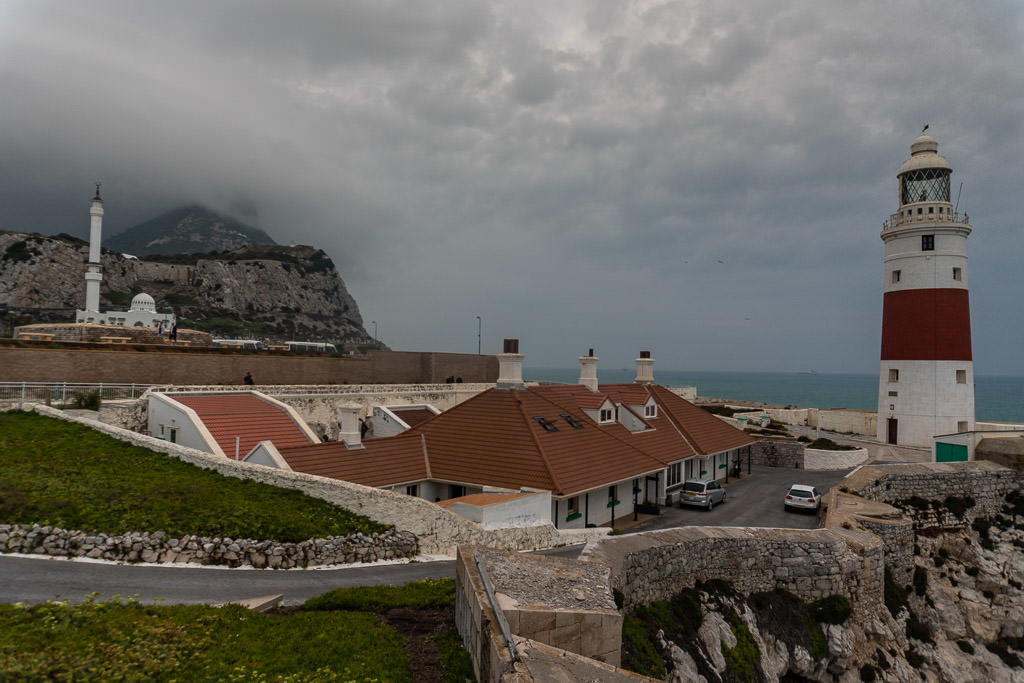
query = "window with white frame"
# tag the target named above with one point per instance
(607, 415)
(651, 410)
(574, 505)
(894, 375)
(675, 473)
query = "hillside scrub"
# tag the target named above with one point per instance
(56, 473)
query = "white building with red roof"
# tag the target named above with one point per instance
(600, 450)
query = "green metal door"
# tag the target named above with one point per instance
(950, 452)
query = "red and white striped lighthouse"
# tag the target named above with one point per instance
(926, 383)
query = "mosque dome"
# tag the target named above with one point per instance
(143, 302)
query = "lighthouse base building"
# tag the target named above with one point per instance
(926, 378)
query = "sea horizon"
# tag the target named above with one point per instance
(997, 398)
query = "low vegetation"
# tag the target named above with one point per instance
(417, 595)
(62, 474)
(825, 444)
(132, 641)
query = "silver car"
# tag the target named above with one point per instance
(802, 497)
(702, 493)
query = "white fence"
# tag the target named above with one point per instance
(62, 392)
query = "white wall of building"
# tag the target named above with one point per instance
(526, 511)
(167, 416)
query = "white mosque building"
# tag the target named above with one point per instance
(142, 312)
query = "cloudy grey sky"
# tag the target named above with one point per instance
(703, 179)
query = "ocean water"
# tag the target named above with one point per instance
(996, 399)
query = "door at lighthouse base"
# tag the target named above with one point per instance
(893, 430)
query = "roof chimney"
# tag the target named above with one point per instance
(510, 367)
(350, 432)
(588, 371)
(645, 368)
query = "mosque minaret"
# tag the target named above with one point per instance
(926, 382)
(94, 269)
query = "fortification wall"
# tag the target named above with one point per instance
(811, 564)
(202, 366)
(437, 530)
(778, 453)
(818, 459)
(921, 490)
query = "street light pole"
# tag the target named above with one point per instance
(479, 329)
(374, 331)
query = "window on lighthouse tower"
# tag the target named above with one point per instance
(927, 242)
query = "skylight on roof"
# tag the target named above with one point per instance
(575, 423)
(548, 425)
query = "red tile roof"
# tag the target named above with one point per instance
(706, 432)
(412, 415)
(493, 439)
(246, 416)
(381, 462)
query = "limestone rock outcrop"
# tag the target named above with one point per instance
(261, 291)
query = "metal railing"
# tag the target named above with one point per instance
(63, 392)
(896, 220)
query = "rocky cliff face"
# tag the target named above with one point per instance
(258, 291)
(960, 619)
(188, 229)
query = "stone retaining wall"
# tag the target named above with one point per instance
(778, 454)
(811, 564)
(157, 547)
(816, 459)
(437, 530)
(985, 483)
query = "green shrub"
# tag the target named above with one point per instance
(742, 660)
(825, 444)
(87, 401)
(638, 649)
(804, 439)
(422, 594)
(835, 609)
(959, 505)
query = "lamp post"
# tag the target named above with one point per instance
(11, 316)
(479, 329)
(374, 331)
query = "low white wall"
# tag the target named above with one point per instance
(530, 511)
(849, 421)
(689, 393)
(815, 459)
(438, 531)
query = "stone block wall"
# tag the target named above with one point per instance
(38, 363)
(157, 547)
(898, 545)
(986, 483)
(778, 454)
(815, 459)
(437, 530)
(811, 564)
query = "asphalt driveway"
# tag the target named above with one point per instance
(753, 500)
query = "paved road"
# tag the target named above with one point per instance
(754, 500)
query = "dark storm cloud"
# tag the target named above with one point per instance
(614, 174)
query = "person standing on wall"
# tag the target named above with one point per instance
(248, 380)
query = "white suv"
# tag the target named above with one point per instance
(802, 497)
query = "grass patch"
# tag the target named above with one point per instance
(97, 484)
(416, 595)
(638, 651)
(456, 662)
(112, 641)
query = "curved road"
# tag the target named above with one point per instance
(751, 501)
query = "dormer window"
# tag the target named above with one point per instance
(607, 415)
(651, 410)
(575, 423)
(548, 425)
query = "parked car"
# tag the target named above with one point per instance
(802, 497)
(702, 493)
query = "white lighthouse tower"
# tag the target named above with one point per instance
(94, 270)
(926, 383)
